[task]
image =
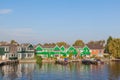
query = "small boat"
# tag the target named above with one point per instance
(87, 62)
(93, 61)
(61, 62)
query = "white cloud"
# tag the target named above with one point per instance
(5, 11)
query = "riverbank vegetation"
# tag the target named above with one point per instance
(38, 59)
(113, 47)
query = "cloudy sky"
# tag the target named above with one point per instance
(40, 21)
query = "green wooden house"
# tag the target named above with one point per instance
(71, 51)
(61, 51)
(50, 52)
(84, 51)
(55, 51)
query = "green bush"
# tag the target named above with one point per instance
(70, 56)
(38, 59)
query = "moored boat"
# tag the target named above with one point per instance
(61, 62)
(89, 61)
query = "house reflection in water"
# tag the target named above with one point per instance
(11, 72)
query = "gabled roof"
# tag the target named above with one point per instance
(31, 46)
(86, 51)
(39, 48)
(25, 44)
(86, 47)
(3, 43)
(62, 48)
(56, 48)
(9, 45)
(71, 48)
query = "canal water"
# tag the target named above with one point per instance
(51, 71)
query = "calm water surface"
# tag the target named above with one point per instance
(51, 71)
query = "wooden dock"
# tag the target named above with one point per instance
(8, 62)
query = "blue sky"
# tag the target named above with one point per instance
(40, 21)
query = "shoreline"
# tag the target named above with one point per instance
(34, 61)
(53, 61)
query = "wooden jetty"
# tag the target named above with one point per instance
(8, 62)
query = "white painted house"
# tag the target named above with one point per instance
(22, 51)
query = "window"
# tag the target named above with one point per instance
(5, 49)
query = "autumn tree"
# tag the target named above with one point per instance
(62, 44)
(106, 46)
(99, 43)
(46, 44)
(13, 42)
(114, 48)
(79, 43)
(49, 44)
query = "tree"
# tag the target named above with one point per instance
(114, 48)
(95, 44)
(61, 44)
(46, 44)
(101, 42)
(106, 46)
(79, 43)
(13, 42)
(38, 59)
(49, 44)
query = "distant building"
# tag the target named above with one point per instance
(10, 50)
(85, 51)
(21, 51)
(56, 51)
(97, 50)
(25, 51)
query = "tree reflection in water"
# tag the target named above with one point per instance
(16, 71)
(9, 72)
(114, 71)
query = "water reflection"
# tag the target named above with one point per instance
(17, 71)
(114, 71)
(51, 71)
